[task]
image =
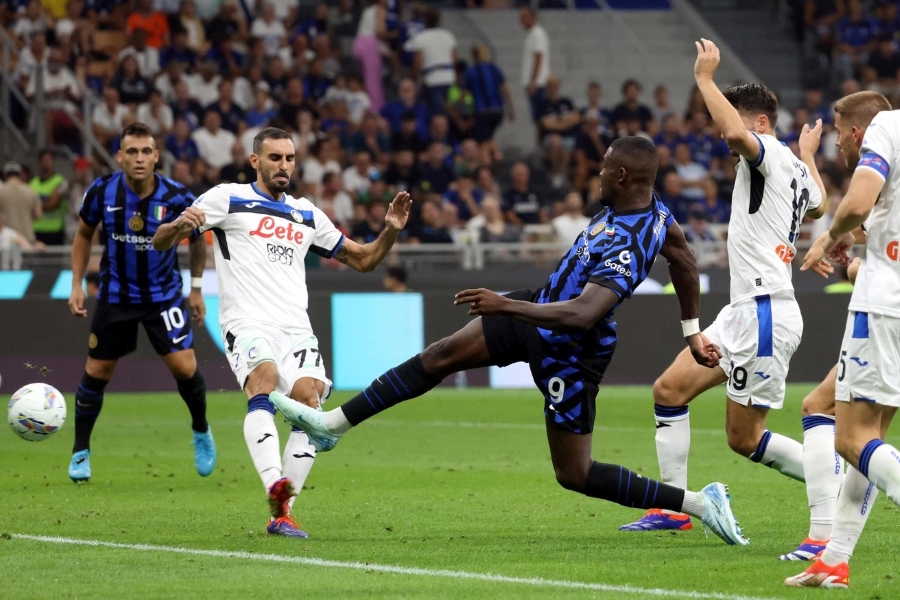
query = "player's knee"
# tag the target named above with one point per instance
(817, 404)
(438, 358)
(847, 446)
(667, 393)
(741, 442)
(100, 369)
(570, 478)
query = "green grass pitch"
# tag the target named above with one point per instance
(459, 481)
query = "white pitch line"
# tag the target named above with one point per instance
(523, 426)
(319, 562)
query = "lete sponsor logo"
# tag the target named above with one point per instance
(785, 253)
(893, 250)
(267, 229)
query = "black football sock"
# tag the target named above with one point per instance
(623, 486)
(193, 392)
(88, 403)
(403, 382)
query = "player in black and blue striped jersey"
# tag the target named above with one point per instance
(567, 335)
(138, 285)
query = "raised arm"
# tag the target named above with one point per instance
(686, 280)
(578, 314)
(724, 115)
(809, 145)
(169, 234)
(365, 257)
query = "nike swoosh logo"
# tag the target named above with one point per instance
(79, 461)
(114, 208)
(761, 374)
(253, 204)
(661, 425)
(179, 338)
(859, 361)
(263, 438)
(304, 455)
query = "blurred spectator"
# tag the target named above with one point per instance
(717, 211)
(82, 178)
(229, 60)
(535, 61)
(204, 84)
(707, 249)
(305, 136)
(395, 280)
(53, 189)
(495, 228)
(798, 120)
(245, 85)
(594, 96)
(10, 238)
(231, 114)
(108, 118)
(402, 174)
(294, 102)
(156, 114)
(333, 198)
(239, 170)
(855, 39)
(214, 142)
(670, 195)
(61, 93)
(269, 28)
(357, 177)
(356, 99)
(410, 28)
(466, 197)
(34, 54)
(693, 175)
(559, 125)
(316, 167)
(179, 142)
(166, 81)
(435, 175)
(316, 83)
(406, 102)
(181, 172)
(665, 166)
(631, 108)
(431, 228)
(705, 148)
(227, 25)
(277, 78)
(313, 26)
(179, 51)
(368, 48)
(133, 87)
(469, 159)
(370, 139)
(460, 107)
(590, 146)
(20, 205)
(147, 56)
(263, 109)
(490, 94)
(368, 229)
(883, 67)
(520, 203)
(485, 182)
(33, 20)
(670, 132)
(439, 131)
(814, 103)
(153, 22)
(662, 107)
(569, 225)
(407, 138)
(297, 55)
(434, 56)
(185, 107)
(189, 22)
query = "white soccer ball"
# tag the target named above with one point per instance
(36, 411)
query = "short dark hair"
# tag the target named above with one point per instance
(753, 98)
(398, 273)
(432, 18)
(639, 157)
(44, 151)
(630, 82)
(137, 129)
(328, 176)
(269, 133)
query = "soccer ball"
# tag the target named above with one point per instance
(36, 411)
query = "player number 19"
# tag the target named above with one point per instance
(557, 388)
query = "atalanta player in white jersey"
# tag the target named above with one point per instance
(262, 236)
(867, 387)
(566, 332)
(760, 329)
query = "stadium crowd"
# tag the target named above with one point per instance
(378, 98)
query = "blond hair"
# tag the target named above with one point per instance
(860, 108)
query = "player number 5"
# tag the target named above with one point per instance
(557, 388)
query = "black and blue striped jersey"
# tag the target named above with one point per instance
(131, 271)
(616, 250)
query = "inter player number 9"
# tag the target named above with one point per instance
(556, 387)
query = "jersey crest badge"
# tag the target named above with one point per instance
(598, 228)
(136, 223)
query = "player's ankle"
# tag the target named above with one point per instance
(336, 422)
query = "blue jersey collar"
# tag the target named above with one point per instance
(265, 195)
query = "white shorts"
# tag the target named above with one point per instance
(869, 366)
(757, 339)
(294, 353)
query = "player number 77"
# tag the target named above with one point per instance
(302, 355)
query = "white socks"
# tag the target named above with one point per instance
(336, 422)
(298, 459)
(854, 504)
(693, 505)
(262, 441)
(880, 462)
(824, 474)
(780, 453)
(673, 443)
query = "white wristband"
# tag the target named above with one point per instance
(690, 327)
(197, 283)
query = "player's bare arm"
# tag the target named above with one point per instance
(809, 141)
(197, 259)
(81, 254)
(578, 314)
(725, 116)
(170, 234)
(686, 280)
(365, 257)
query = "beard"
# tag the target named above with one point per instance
(275, 186)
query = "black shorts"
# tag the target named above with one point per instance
(485, 125)
(114, 329)
(569, 382)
